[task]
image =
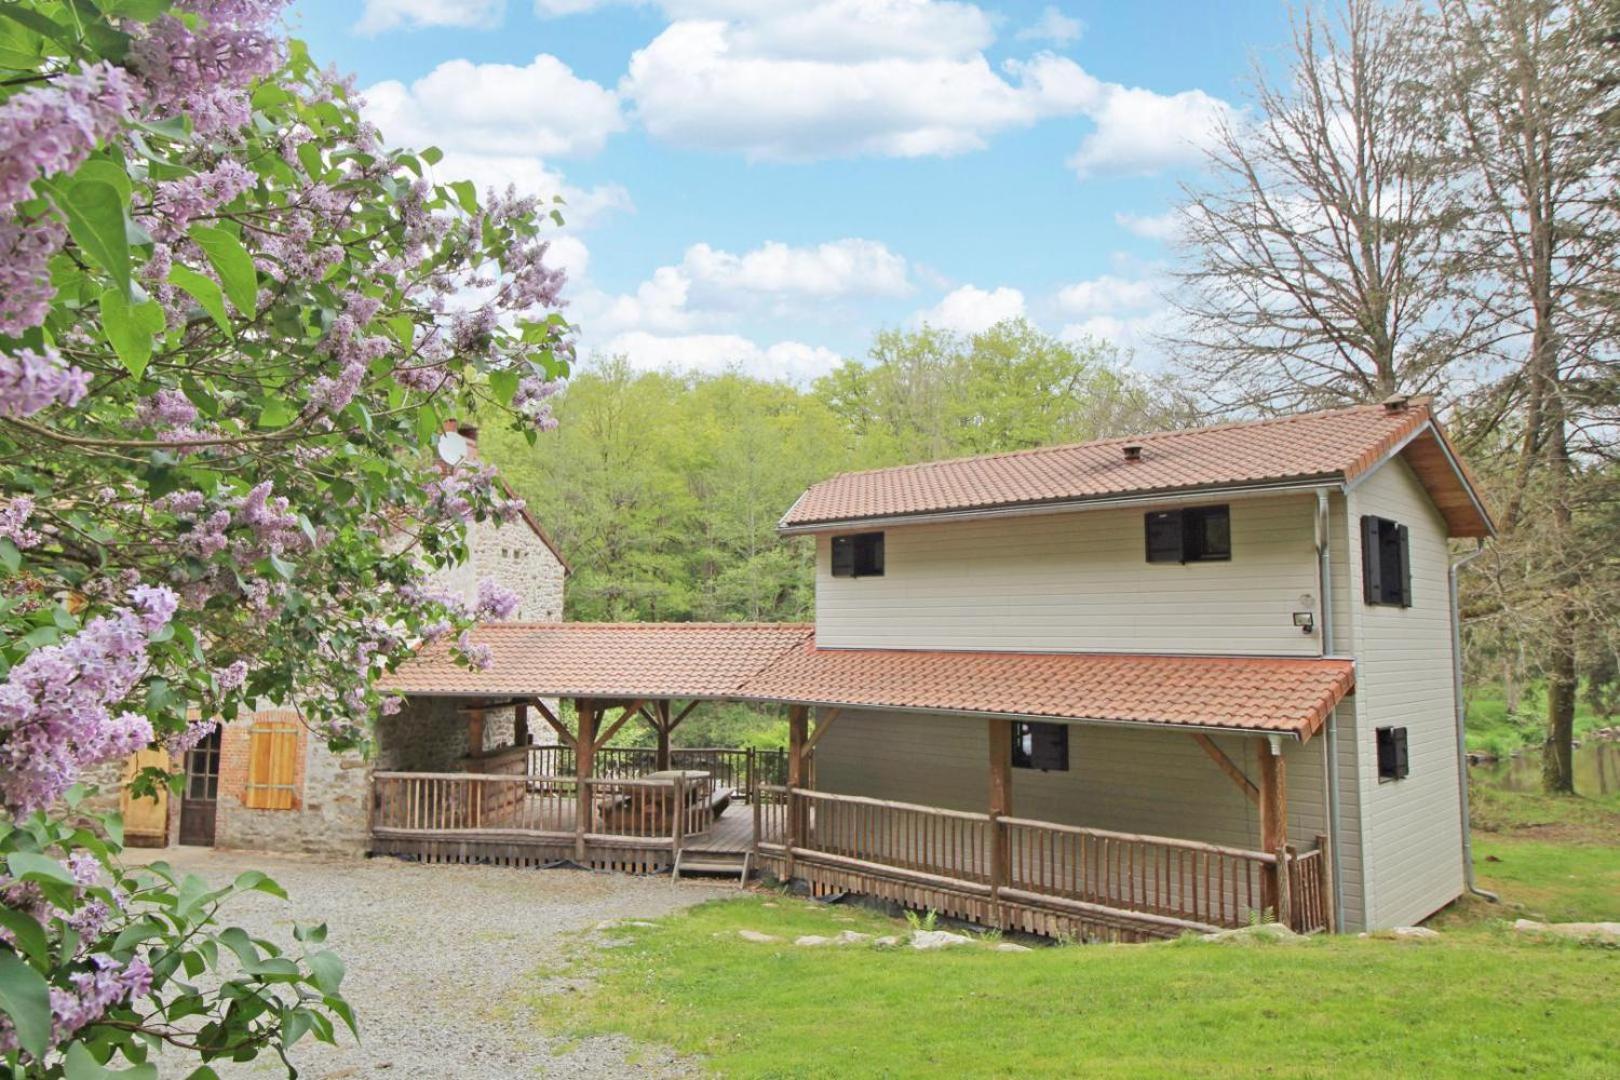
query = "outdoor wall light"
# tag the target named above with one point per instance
(1305, 620)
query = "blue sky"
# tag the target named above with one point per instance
(766, 184)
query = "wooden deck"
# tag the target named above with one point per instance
(997, 870)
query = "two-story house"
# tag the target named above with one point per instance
(1120, 689)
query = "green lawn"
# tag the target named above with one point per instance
(1491, 727)
(1475, 1004)
(1479, 1002)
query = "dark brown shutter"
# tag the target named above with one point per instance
(843, 556)
(1372, 556)
(1406, 566)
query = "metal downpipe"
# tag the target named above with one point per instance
(1331, 731)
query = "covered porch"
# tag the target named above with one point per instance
(994, 863)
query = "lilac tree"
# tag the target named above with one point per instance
(232, 327)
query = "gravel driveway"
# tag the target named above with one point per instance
(439, 959)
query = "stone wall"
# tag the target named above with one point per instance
(328, 815)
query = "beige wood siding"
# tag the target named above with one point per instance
(1411, 828)
(1156, 782)
(1079, 581)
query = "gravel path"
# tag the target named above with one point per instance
(440, 958)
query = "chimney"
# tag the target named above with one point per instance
(1397, 402)
(469, 432)
(1133, 452)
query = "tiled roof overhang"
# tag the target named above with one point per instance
(1336, 447)
(780, 663)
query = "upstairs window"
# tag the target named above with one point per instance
(1040, 746)
(1196, 534)
(860, 555)
(1393, 762)
(1386, 562)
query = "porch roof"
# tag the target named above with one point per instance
(1259, 694)
(779, 662)
(602, 660)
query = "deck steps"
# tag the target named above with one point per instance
(713, 863)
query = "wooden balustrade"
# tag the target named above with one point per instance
(1181, 884)
(740, 769)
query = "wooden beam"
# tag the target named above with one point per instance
(825, 722)
(797, 817)
(661, 756)
(1001, 766)
(584, 769)
(557, 725)
(475, 731)
(690, 705)
(629, 711)
(1228, 766)
(1274, 828)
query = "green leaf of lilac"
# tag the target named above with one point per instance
(504, 385)
(234, 266)
(205, 291)
(26, 934)
(125, 331)
(95, 220)
(276, 413)
(26, 999)
(108, 172)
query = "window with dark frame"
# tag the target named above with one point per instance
(1194, 534)
(1040, 746)
(1386, 562)
(860, 555)
(1393, 760)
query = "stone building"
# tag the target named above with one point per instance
(266, 782)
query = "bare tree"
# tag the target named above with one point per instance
(1530, 91)
(1320, 269)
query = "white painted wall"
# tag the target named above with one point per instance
(1411, 828)
(1079, 581)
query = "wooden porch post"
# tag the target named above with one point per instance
(584, 769)
(1274, 828)
(661, 710)
(475, 729)
(1000, 805)
(798, 731)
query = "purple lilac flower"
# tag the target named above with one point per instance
(31, 381)
(14, 523)
(56, 703)
(232, 677)
(177, 203)
(26, 247)
(479, 656)
(181, 743)
(495, 601)
(52, 128)
(200, 68)
(166, 408)
(85, 868)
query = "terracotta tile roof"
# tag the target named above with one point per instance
(1340, 444)
(779, 662)
(1251, 694)
(603, 660)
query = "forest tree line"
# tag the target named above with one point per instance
(1424, 201)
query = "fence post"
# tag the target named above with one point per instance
(1000, 863)
(794, 803)
(757, 819)
(750, 791)
(679, 814)
(1285, 900)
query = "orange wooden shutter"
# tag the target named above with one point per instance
(272, 765)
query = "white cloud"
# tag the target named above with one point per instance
(971, 310)
(1139, 131)
(581, 208)
(1106, 295)
(381, 15)
(541, 109)
(1053, 26)
(710, 287)
(787, 361)
(1165, 226)
(722, 86)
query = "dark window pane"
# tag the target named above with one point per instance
(1164, 537)
(869, 555)
(843, 556)
(1209, 533)
(1040, 746)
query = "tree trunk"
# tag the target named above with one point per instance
(1557, 754)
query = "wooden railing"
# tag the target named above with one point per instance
(1178, 884)
(446, 804)
(739, 768)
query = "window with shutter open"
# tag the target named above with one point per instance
(1195, 534)
(1386, 562)
(1040, 746)
(1394, 763)
(860, 555)
(272, 773)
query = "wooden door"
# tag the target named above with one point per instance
(201, 795)
(146, 820)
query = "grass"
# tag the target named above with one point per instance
(1473, 1004)
(1492, 728)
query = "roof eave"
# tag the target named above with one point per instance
(1063, 506)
